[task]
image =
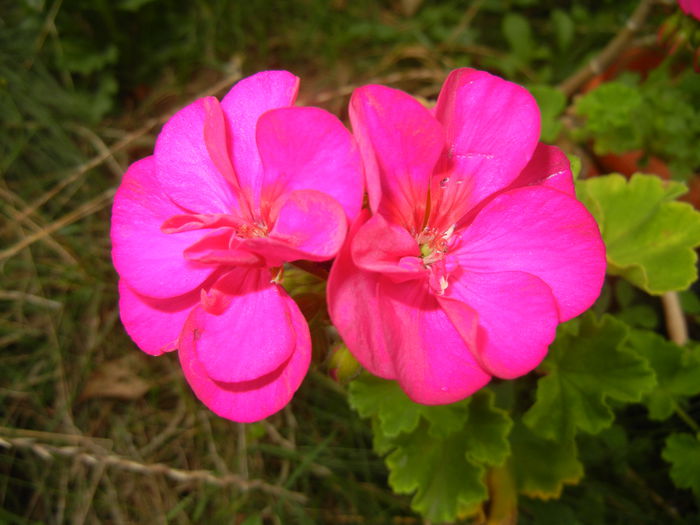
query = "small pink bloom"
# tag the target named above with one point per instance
(690, 7)
(201, 230)
(475, 246)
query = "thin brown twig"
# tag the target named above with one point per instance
(15, 295)
(676, 325)
(15, 221)
(101, 148)
(121, 144)
(392, 78)
(46, 451)
(464, 22)
(55, 437)
(610, 52)
(86, 209)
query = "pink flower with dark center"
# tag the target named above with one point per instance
(690, 7)
(201, 231)
(475, 247)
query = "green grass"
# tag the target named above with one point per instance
(78, 78)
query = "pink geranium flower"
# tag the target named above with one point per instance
(475, 247)
(690, 7)
(202, 228)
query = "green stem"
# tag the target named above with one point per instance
(685, 417)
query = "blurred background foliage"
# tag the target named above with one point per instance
(95, 432)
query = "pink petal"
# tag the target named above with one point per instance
(309, 149)
(690, 7)
(517, 319)
(154, 324)
(492, 130)
(253, 337)
(222, 247)
(383, 247)
(543, 232)
(433, 363)
(149, 260)
(353, 305)
(400, 142)
(309, 225)
(549, 167)
(244, 105)
(253, 400)
(184, 162)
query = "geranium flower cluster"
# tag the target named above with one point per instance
(471, 251)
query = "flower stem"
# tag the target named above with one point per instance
(685, 417)
(613, 50)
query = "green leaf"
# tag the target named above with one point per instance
(635, 307)
(551, 513)
(373, 396)
(677, 371)
(563, 28)
(551, 102)
(444, 480)
(608, 114)
(575, 162)
(541, 466)
(683, 452)
(650, 238)
(586, 366)
(690, 302)
(487, 430)
(446, 419)
(516, 29)
(438, 452)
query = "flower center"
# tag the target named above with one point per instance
(251, 231)
(433, 244)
